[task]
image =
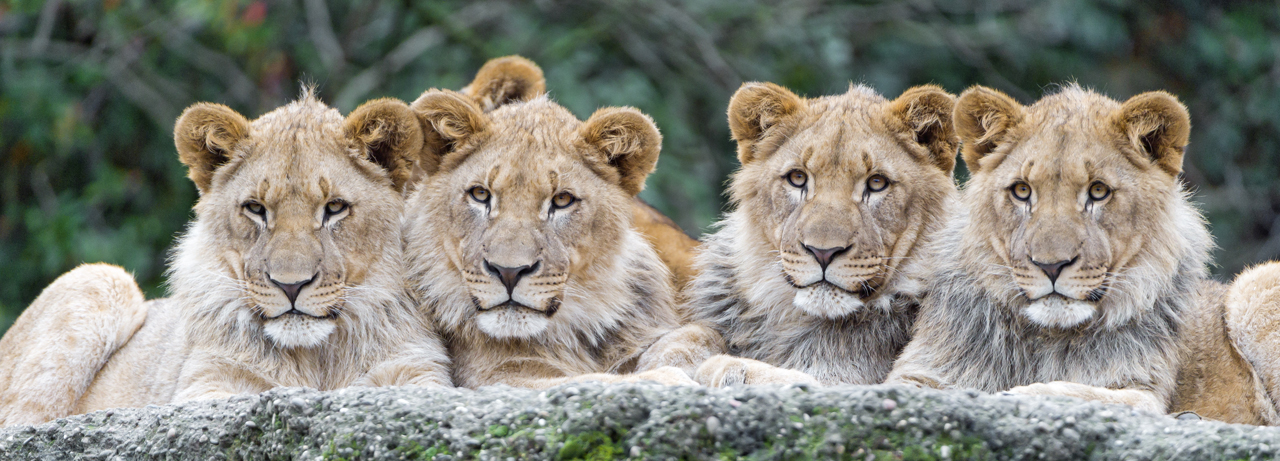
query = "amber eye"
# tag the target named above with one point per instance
(479, 194)
(1021, 191)
(797, 178)
(563, 199)
(1099, 191)
(335, 206)
(255, 208)
(877, 183)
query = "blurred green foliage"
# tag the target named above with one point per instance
(89, 90)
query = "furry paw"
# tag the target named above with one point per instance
(683, 348)
(669, 376)
(1038, 389)
(726, 370)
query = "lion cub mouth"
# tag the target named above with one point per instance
(552, 307)
(333, 314)
(863, 292)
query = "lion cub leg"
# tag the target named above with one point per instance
(727, 370)
(50, 356)
(1253, 322)
(1137, 398)
(684, 348)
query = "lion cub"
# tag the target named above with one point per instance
(1077, 266)
(290, 275)
(510, 79)
(814, 276)
(521, 244)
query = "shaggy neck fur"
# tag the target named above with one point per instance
(971, 336)
(373, 324)
(740, 290)
(605, 321)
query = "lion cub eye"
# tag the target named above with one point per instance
(479, 194)
(1021, 191)
(797, 178)
(255, 208)
(877, 183)
(334, 207)
(1099, 191)
(562, 200)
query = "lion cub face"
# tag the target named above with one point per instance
(842, 187)
(305, 203)
(1082, 192)
(536, 202)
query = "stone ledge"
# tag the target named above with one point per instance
(648, 421)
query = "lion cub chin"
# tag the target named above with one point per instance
(298, 330)
(520, 237)
(830, 302)
(1058, 312)
(813, 277)
(512, 321)
(290, 275)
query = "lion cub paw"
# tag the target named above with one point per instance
(1039, 389)
(669, 376)
(727, 370)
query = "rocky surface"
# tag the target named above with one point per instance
(642, 421)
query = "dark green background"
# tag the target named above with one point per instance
(89, 91)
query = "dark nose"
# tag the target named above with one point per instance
(510, 276)
(825, 255)
(1053, 270)
(291, 290)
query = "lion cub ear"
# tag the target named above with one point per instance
(925, 111)
(451, 124)
(983, 118)
(754, 109)
(1156, 125)
(505, 80)
(389, 134)
(205, 136)
(623, 146)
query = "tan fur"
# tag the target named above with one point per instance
(75, 324)
(1253, 324)
(760, 295)
(592, 295)
(674, 246)
(1131, 317)
(229, 327)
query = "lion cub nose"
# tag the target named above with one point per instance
(825, 255)
(291, 290)
(510, 276)
(1054, 269)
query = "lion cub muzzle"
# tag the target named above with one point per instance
(515, 299)
(1062, 287)
(832, 281)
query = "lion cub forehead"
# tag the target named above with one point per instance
(298, 151)
(847, 133)
(1070, 136)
